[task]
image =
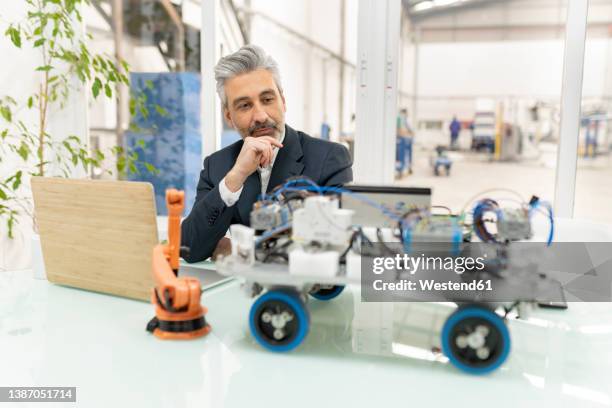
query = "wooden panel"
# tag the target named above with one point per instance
(97, 235)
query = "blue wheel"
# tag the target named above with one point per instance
(327, 293)
(475, 340)
(279, 320)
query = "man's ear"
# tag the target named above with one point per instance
(228, 118)
(284, 104)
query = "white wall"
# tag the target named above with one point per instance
(508, 48)
(311, 85)
(20, 80)
(452, 75)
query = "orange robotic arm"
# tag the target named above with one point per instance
(175, 202)
(178, 312)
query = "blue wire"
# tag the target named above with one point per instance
(483, 205)
(322, 189)
(551, 218)
(267, 234)
(289, 183)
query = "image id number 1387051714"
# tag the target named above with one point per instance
(37, 394)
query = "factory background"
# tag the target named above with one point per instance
(495, 65)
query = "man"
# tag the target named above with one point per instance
(405, 137)
(248, 83)
(455, 128)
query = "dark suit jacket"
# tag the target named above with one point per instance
(326, 163)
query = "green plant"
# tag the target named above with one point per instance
(50, 27)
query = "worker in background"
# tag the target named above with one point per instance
(455, 128)
(325, 130)
(270, 152)
(592, 131)
(405, 138)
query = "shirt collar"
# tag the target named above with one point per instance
(269, 168)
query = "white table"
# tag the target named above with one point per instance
(58, 336)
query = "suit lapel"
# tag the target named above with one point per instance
(250, 192)
(288, 161)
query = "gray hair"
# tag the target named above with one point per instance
(246, 59)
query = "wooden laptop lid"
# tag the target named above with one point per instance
(97, 235)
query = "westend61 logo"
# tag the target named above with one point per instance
(412, 264)
(483, 272)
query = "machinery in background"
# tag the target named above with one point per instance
(540, 121)
(495, 130)
(483, 131)
(510, 143)
(594, 135)
(309, 246)
(440, 161)
(178, 312)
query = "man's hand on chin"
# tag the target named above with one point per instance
(256, 151)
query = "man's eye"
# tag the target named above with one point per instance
(243, 106)
(268, 100)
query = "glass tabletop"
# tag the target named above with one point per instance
(356, 354)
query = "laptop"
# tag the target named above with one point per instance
(99, 235)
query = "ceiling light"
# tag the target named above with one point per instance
(442, 3)
(424, 5)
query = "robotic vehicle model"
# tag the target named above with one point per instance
(309, 247)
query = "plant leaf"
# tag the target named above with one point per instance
(23, 151)
(150, 168)
(15, 36)
(10, 223)
(17, 181)
(133, 168)
(161, 111)
(95, 88)
(132, 105)
(5, 111)
(68, 147)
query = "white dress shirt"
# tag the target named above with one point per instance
(230, 198)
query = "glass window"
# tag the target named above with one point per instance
(479, 97)
(315, 45)
(594, 171)
(158, 117)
